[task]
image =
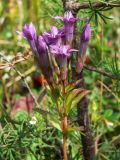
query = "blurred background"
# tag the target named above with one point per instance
(104, 99)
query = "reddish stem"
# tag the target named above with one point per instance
(65, 139)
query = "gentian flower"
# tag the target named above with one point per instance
(43, 59)
(85, 37)
(39, 49)
(62, 53)
(43, 53)
(69, 22)
(29, 33)
(53, 37)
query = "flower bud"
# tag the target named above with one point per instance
(85, 37)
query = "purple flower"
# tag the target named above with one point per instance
(28, 31)
(53, 37)
(62, 53)
(39, 49)
(86, 33)
(85, 37)
(41, 46)
(69, 22)
(43, 59)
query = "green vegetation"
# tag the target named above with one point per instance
(35, 135)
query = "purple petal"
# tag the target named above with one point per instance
(83, 48)
(54, 49)
(52, 37)
(64, 50)
(46, 36)
(86, 33)
(62, 30)
(41, 45)
(69, 18)
(68, 15)
(32, 28)
(85, 37)
(29, 31)
(54, 31)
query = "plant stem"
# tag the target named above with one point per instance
(64, 125)
(65, 139)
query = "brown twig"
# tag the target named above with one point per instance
(22, 77)
(29, 71)
(116, 140)
(15, 60)
(109, 90)
(19, 59)
(102, 72)
(85, 5)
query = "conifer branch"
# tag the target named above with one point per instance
(102, 72)
(86, 5)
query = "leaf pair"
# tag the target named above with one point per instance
(73, 96)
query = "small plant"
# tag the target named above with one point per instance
(54, 55)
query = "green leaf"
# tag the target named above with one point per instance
(71, 86)
(56, 94)
(73, 98)
(79, 97)
(54, 121)
(70, 97)
(21, 116)
(69, 130)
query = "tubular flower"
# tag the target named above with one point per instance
(86, 33)
(43, 59)
(53, 37)
(85, 37)
(29, 33)
(39, 49)
(62, 53)
(69, 22)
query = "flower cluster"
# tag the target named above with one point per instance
(57, 45)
